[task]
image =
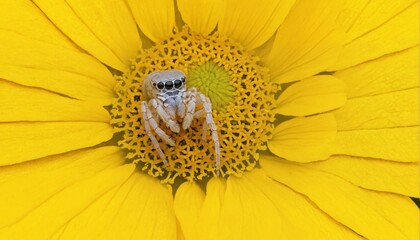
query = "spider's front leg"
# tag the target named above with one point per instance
(149, 121)
(190, 102)
(205, 101)
(166, 118)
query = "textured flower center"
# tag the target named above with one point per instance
(242, 98)
(214, 81)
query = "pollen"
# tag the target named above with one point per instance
(242, 99)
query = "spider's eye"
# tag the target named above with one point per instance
(169, 85)
(178, 83)
(160, 85)
(183, 79)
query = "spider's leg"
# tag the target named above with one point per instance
(203, 134)
(158, 130)
(174, 126)
(197, 115)
(209, 120)
(189, 115)
(155, 116)
(147, 117)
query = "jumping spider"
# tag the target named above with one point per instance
(168, 99)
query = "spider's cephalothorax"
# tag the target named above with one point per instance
(168, 100)
(164, 85)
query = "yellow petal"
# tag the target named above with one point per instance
(25, 18)
(390, 73)
(21, 142)
(20, 51)
(351, 10)
(396, 109)
(209, 221)
(304, 139)
(179, 233)
(247, 213)
(396, 144)
(302, 220)
(155, 18)
(58, 233)
(264, 50)
(313, 95)
(368, 15)
(187, 204)
(140, 208)
(298, 54)
(30, 104)
(70, 23)
(201, 15)
(26, 186)
(253, 22)
(44, 220)
(379, 175)
(112, 23)
(362, 210)
(66, 83)
(399, 33)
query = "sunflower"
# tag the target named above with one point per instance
(315, 104)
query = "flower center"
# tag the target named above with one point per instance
(214, 81)
(241, 95)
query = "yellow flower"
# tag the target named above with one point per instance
(315, 104)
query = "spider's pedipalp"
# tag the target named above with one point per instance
(169, 109)
(180, 110)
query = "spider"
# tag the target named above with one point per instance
(169, 100)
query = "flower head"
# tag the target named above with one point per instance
(315, 105)
(238, 88)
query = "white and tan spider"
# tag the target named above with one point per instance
(169, 100)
